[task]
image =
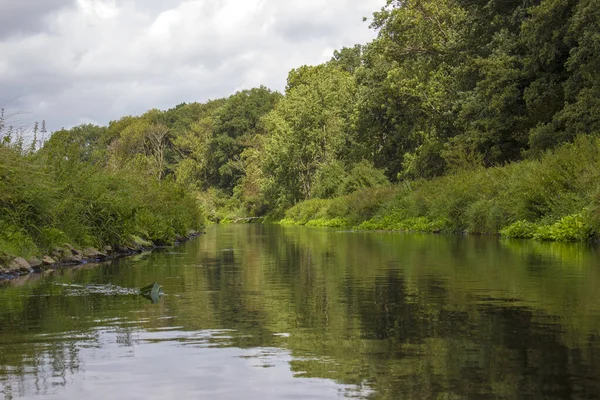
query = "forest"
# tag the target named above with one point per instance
(477, 116)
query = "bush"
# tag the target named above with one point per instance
(363, 175)
(330, 223)
(219, 207)
(351, 209)
(571, 228)
(520, 230)
(328, 180)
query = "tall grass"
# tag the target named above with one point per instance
(554, 195)
(41, 208)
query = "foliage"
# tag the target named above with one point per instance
(350, 209)
(419, 224)
(193, 125)
(329, 180)
(235, 123)
(483, 113)
(571, 228)
(308, 130)
(328, 223)
(491, 80)
(520, 230)
(362, 175)
(49, 199)
(550, 199)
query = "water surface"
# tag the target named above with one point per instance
(270, 312)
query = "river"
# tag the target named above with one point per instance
(270, 312)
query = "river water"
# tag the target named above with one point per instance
(271, 312)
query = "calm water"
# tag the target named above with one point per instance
(269, 312)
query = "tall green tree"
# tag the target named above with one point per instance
(410, 84)
(581, 111)
(234, 126)
(309, 128)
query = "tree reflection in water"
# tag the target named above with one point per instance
(385, 316)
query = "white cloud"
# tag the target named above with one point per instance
(103, 59)
(93, 9)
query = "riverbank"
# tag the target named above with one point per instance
(67, 256)
(60, 209)
(556, 198)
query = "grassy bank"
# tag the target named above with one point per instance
(556, 197)
(44, 206)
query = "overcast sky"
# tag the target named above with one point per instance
(77, 61)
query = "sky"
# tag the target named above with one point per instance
(70, 62)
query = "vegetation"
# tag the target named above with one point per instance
(461, 116)
(554, 198)
(59, 195)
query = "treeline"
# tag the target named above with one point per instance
(447, 87)
(462, 89)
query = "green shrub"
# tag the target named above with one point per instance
(307, 210)
(331, 223)
(571, 228)
(362, 175)
(52, 237)
(15, 241)
(520, 230)
(328, 180)
(423, 224)
(352, 209)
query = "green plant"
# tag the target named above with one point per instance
(571, 228)
(520, 230)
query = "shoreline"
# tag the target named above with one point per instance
(68, 256)
(437, 231)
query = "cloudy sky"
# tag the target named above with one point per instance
(77, 61)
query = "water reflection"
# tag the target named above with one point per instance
(158, 364)
(256, 311)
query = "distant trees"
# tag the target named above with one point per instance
(235, 124)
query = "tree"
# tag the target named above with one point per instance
(409, 84)
(143, 143)
(234, 126)
(156, 145)
(581, 112)
(67, 150)
(193, 146)
(309, 128)
(348, 59)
